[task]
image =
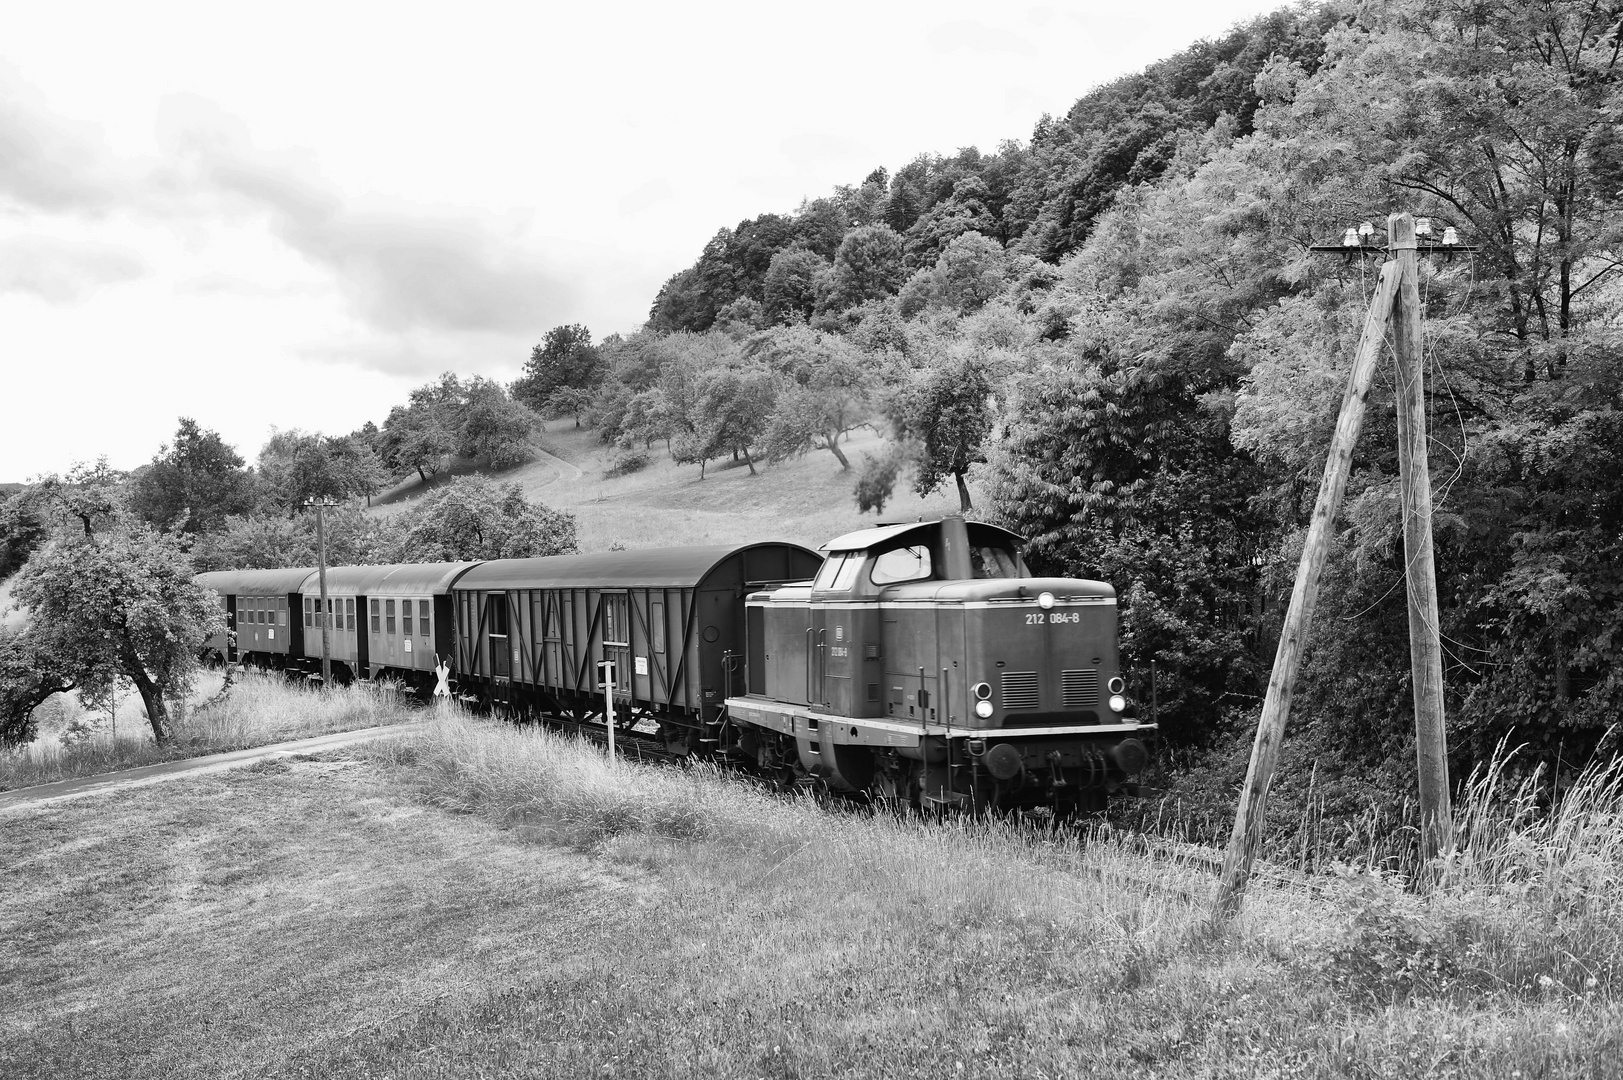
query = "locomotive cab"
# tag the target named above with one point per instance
(927, 657)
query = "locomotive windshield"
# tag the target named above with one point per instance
(901, 564)
(993, 561)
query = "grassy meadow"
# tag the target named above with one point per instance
(807, 500)
(480, 900)
(258, 710)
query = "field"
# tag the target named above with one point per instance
(807, 500)
(258, 710)
(481, 901)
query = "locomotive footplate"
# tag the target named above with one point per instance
(800, 720)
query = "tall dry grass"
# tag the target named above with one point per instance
(259, 709)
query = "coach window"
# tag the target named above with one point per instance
(407, 627)
(349, 614)
(281, 611)
(422, 617)
(388, 617)
(910, 563)
(377, 621)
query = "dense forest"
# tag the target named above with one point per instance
(1116, 332)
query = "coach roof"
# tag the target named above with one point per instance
(255, 582)
(656, 568)
(392, 579)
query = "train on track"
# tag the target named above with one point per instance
(921, 663)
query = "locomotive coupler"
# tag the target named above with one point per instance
(1053, 763)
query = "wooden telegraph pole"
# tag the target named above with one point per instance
(1414, 476)
(324, 612)
(1396, 304)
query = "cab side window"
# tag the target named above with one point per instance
(901, 564)
(830, 570)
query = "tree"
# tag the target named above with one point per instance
(22, 530)
(868, 265)
(792, 283)
(827, 391)
(263, 541)
(418, 436)
(121, 602)
(31, 670)
(565, 360)
(193, 483)
(944, 410)
(298, 466)
(729, 415)
(474, 518)
(494, 426)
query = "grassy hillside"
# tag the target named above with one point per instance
(483, 900)
(807, 500)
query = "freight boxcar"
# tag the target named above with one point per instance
(532, 632)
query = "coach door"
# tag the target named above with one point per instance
(617, 637)
(501, 645)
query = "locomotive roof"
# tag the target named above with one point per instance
(255, 582)
(863, 539)
(415, 579)
(671, 567)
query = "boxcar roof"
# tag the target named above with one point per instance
(255, 582)
(415, 579)
(667, 568)
(863, 539)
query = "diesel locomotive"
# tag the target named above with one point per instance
(921, 663)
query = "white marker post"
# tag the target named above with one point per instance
(606, 670)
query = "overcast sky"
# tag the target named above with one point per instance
(286, 215)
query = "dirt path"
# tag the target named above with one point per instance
(85, 786)
(558, 463)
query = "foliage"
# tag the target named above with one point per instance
(867, 266)
(298, 467)
(474, 518)
(877, 481)
(265, 540)
(561, 372)
(22, 530)
(32, 669)
(495, 428)
(193, 483)
(826, 391)
(121, 602)
(944, 411)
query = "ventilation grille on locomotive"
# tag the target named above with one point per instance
(1019, 690)
(1081, 688)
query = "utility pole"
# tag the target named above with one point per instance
(1248, 822)
(1395, 308)
(323, 614)
(1414, 479)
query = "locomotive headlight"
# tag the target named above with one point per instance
(1118, 703)
(1117, 685)
(982, 690)
(983, 709)
(1045, 600)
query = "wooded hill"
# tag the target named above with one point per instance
(1118, 328)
